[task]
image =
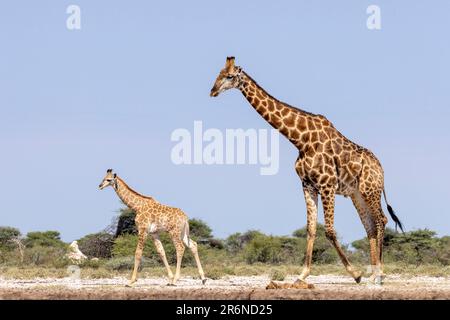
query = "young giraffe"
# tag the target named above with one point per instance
(328, 164)
(151, 218)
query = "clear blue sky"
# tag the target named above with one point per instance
(74, 103)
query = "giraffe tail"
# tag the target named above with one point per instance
(392, 214)
(185, 234)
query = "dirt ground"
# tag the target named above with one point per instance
(231, 287)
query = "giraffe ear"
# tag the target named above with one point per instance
(229, 64)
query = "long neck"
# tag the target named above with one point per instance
(129, 197)
(290, 121)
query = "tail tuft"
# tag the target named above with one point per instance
(395, 218)
(392, 213)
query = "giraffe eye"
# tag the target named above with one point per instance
(109, 180)
(230, 77)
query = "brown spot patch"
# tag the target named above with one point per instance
(318, 123)
(311, 124)
(322, 136)
(275, 120)
(323, 179)
(318, 147)
(305, 137)
(295, 135)
(284, 130)
(301, 123)
(259, 94)
(337, 147)
(290, 120)
(327, 147)
(325, 122)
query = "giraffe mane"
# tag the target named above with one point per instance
(275, 99)
(133, 191)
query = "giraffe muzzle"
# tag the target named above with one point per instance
(214, 92)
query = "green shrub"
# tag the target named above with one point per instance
(216, 244)
(90, 263)
(7, 234)
(265, 249)
(97, 245)
(126, 223)
(46, 256)
(414, 247)
(237, 241)
(127, 263)
(44, 239)
(199, 229)
(277, 275)
(214, 272)
(444, 251)
(323, 250)
(125, 246)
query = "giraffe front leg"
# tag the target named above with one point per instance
(159, 247)
(179, 247)
(328, 207)
(311, 207)
(138, 256)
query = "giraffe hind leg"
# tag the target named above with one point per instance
(373, 203)
(369, 223)
(192, 245)
(381, 227)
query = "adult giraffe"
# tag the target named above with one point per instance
(328, 164)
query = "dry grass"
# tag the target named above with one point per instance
(219, 271)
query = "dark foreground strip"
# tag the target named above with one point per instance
(216, 309)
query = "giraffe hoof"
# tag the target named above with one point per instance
(377, 279)
(204, 281)
(130, 285)
(358, 278)
(171, 284)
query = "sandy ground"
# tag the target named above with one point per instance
(231, 287)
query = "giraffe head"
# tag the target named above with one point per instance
(228, 78)
(109, 180)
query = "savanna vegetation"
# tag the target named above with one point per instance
(43, 254)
